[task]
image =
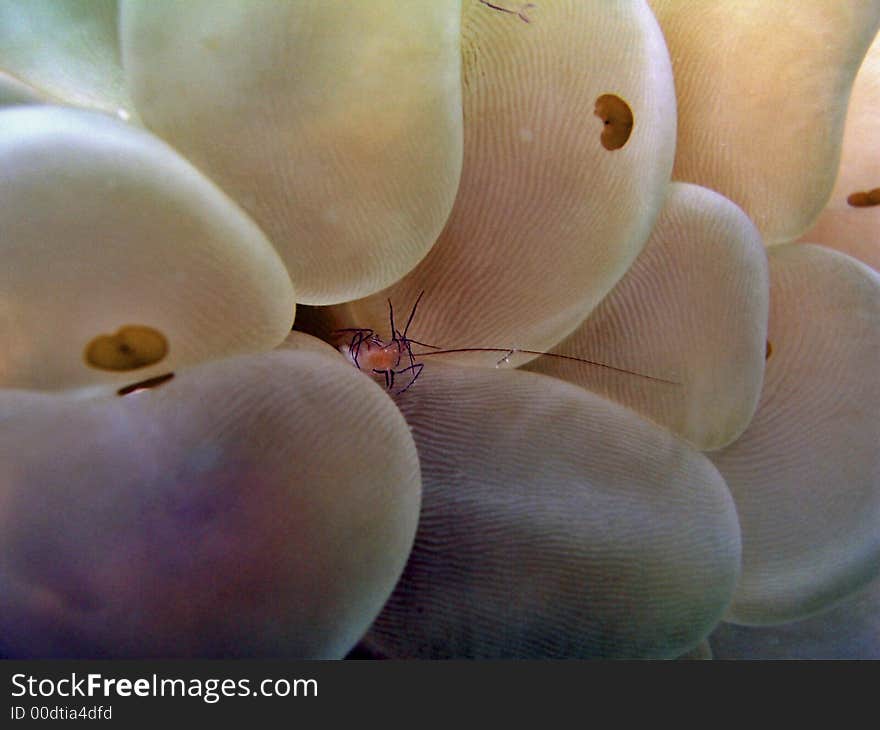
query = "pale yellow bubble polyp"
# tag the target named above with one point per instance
(336, 125)
(102, 227)
(547, 219)
(762, 91)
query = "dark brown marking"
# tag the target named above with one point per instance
(145, 384)
(131, 347)
(769, 351)
(521, 13)
(617, 121)
(866, 199)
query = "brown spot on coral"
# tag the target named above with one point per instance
(864, 199)
(617, 119)
(145, 384)
(769, 351)
(132, 347)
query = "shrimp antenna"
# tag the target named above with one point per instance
(413, 312)
(510, 351)
(391, 318)
(379, 354)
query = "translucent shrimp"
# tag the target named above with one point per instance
(395, 357)
(367, 351)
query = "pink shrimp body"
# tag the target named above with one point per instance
(374, 355)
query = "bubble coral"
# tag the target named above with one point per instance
(183, 476)
(851, 221)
